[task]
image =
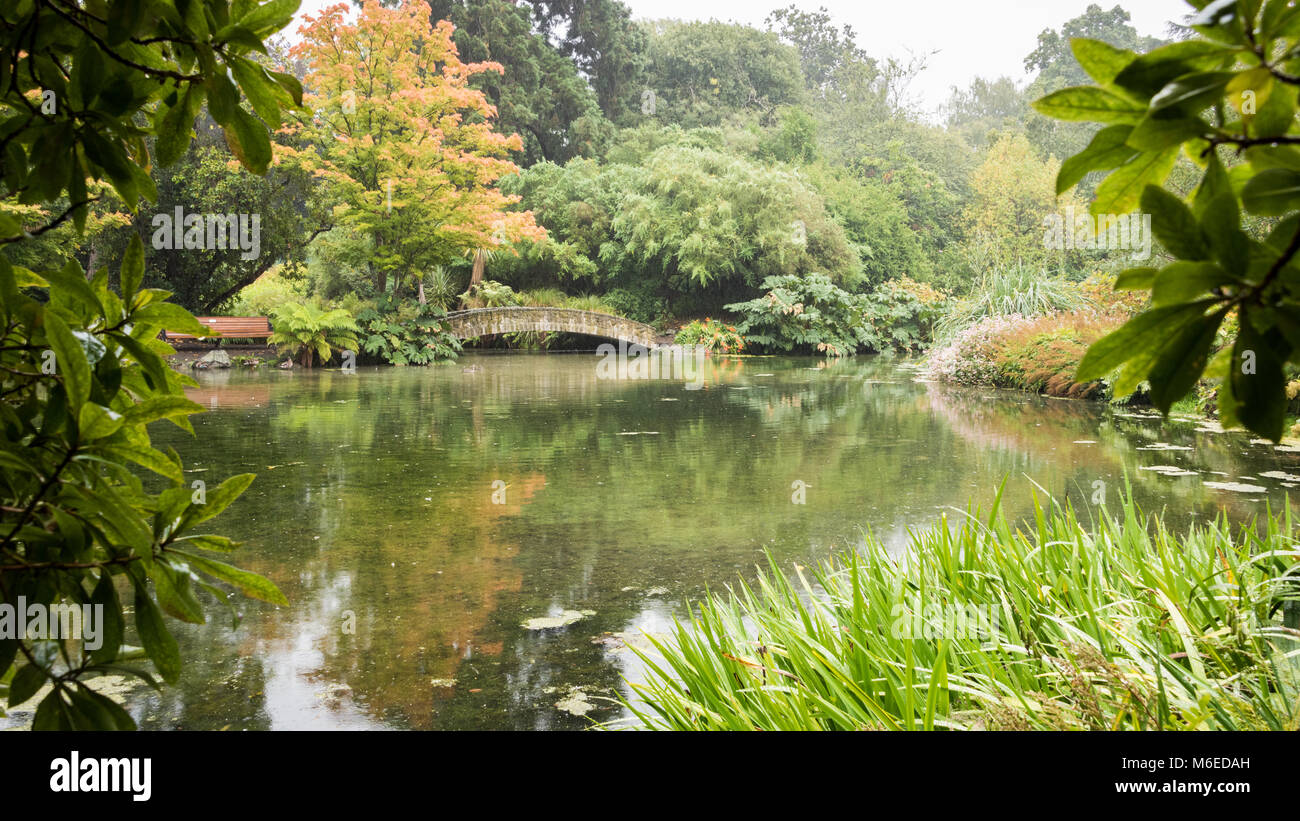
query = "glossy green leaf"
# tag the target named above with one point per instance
(1258, 382)
(219, 499)
(1160, 130)
(112, 629)
(70, 360)
(1108, 149)
(250, 584)
(1221, 224)
(1182, 359)
(1150, 72)
(259, 90)
(1147, 329)
(1173, 224)
(97, 422)
(1120, 192)
(158, 642)
(1185, 281)
(1191, 92)
(1273, 192)
(175, 597)
(249, 141)
(1136, 279)
(26, 682)
(1089, 104)
(1099, 59)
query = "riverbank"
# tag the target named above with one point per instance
(1036, 354)
(242, 355)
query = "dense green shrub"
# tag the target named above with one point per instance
(641, 304)
(407, 333)
(690, 218)
(902, 314)
(805, 313)
(812, 314)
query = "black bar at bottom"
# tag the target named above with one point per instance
(298, 771)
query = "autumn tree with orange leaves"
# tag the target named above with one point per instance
(405, 148)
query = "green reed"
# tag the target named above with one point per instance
(1118, 625)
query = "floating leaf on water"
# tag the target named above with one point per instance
(1169, 470)
(1279, 474)
(575, 703)
(1236, 487)
(565, 618)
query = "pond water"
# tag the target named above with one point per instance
(417, 518)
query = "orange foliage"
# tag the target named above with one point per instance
(406, 143)
(1042, 354)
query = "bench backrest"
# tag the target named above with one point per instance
(237, 327)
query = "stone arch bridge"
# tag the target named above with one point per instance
(514, 319)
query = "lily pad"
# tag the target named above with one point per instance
(1279, 474)
(575, 703)
(1169, 470)
(565, 618)
(1237, 487)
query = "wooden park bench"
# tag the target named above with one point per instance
(229, 327)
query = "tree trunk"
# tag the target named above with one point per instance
(419, 293)
(93, 260)
(476, 275)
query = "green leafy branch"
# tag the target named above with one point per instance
(1154, 107)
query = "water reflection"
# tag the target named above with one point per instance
(416, 517)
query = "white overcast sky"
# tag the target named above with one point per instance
(972, 38)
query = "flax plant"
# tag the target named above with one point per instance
(1118, 625)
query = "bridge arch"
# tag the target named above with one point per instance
(514, 319)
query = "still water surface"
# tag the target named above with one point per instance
(379, 511)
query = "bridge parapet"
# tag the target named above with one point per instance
(515, 319)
